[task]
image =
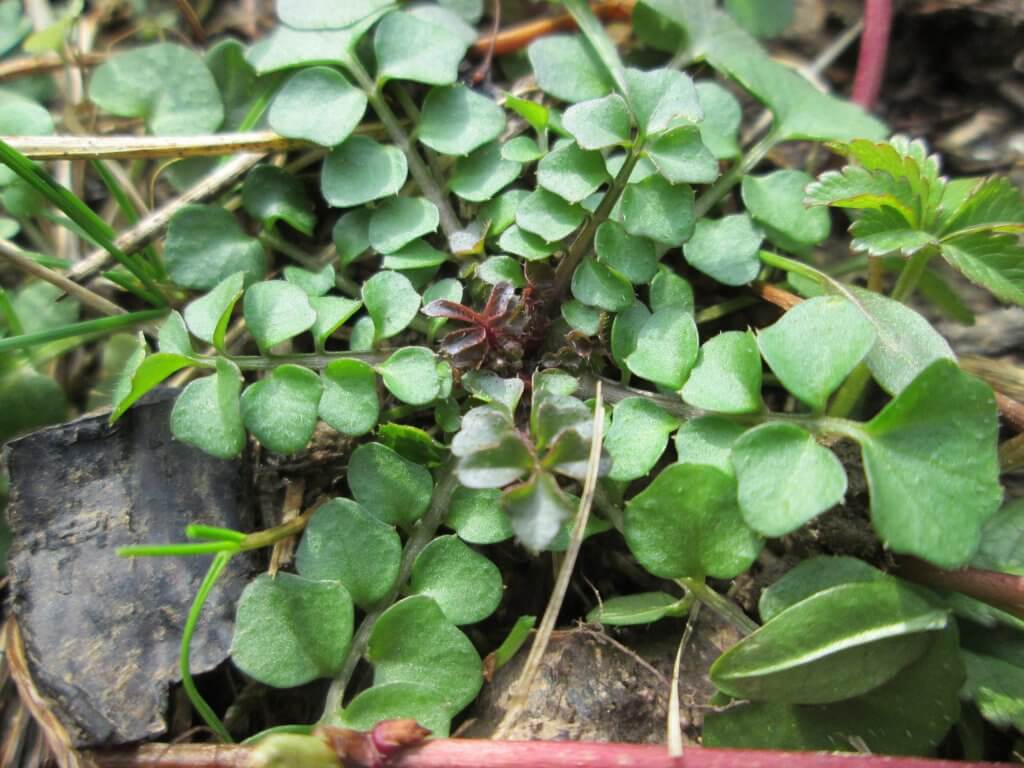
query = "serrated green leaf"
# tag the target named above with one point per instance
(630, 610)
(995, 262)
(537, 509)
(275, 311)
(361, 170)
(637, 437)
(281, 410)
(727, 375)
(271, 194)
(400, 220)
(317, 104)
(410, 374)
(571, 173)
(990, 202)
(659, 210)
(208, 316)
(687, 523)
(722, 116)
(726, 249)
(666, 348)
(464, 584)
(349, 403)
(785, 478)
(391, 301)
(207, 414)
(343, 542)
(483, 174)
(708, 440)
(165, 83)
(776, 201)
(837, 644)
(290, 630)
(442, 658)
(205, 245)
(411, 48)
(568, 69)
(816, 345)
(884, 231)
(390, 487)
(598, 123)
(456, 120)
(477, 516)
(934, 507)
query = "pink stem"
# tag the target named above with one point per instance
(472, 753)
(874, 47)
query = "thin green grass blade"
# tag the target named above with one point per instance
(76, 210)
(86, 327)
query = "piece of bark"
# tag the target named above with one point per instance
(102, 633)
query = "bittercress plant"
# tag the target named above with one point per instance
(491, 263)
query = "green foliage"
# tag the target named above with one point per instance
(464, 584)
(643, 608)
(281, 410)
(911, 714)
(319, 105)
(290, 630)
(785, 478)
(410, 48)
(344, 543)
(166, 84)
(687, 523)
(843, 336)
(206, 245)
(934, 509)
(457, 120)
(838, 643)
(389, 487)
(443, 660)
(489, 248)
(903, 199)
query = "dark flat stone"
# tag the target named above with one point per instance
(101, 632)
